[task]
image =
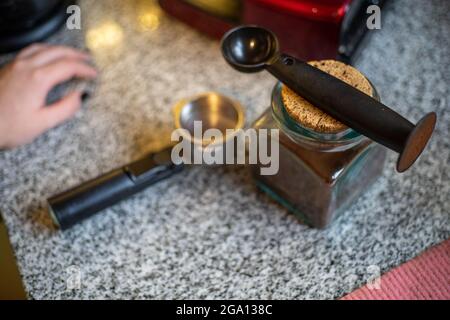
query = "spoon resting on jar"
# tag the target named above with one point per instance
(252, 49)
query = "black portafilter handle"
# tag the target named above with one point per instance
(355, 109)
(81, 202)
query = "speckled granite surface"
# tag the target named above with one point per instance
(208, 233)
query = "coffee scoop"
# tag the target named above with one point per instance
(252, 49)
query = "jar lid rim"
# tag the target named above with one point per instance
(295, 130)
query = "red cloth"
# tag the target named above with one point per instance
(425, 277)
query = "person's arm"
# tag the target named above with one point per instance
(24, 85)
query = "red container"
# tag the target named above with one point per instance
(307, 29)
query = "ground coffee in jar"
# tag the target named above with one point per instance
(323, 165)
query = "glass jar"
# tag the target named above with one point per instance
(320, 174)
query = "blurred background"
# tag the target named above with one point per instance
(150, 55)
(308, 29)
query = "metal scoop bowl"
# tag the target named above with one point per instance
(214, 111)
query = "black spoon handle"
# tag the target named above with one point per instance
(354, 108)
(81, 202)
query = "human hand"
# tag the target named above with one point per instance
(24, 85)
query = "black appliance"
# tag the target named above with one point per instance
(23, 22)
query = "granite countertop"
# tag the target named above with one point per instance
(208, 232)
